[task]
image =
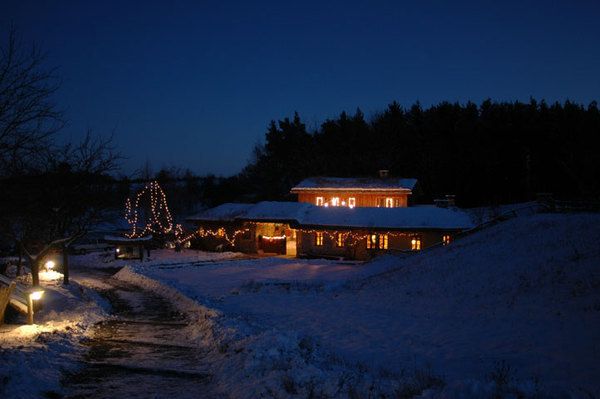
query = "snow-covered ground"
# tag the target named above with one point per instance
(510, 311)
(34, 357)
(513, 308)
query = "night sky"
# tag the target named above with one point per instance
(194, 84)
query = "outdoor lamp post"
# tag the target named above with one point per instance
(49, 265)
(32, 295)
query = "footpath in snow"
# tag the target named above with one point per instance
(512, 309)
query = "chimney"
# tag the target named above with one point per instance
(383, 173)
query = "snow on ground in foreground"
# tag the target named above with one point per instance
(513, 307)
(32, 356)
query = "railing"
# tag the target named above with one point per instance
(20, 297)
(529, 209)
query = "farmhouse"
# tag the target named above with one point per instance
(353, 218)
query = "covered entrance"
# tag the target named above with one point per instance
(276, 238)
(272, 245)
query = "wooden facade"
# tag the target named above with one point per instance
(380, 199)
(365, 244)
(293, 240)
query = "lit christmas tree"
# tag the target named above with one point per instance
(149, 214)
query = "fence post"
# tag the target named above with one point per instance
(29, 310)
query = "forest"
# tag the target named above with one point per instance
(487, 154)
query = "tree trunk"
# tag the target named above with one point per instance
(65, 257)
(35, 272)
(20, 264)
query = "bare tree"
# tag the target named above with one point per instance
(28, 115)
(49, 211)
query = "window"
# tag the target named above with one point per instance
(351, 202)
(415, 244)
(339, 241)
(335, 201)
(389, 202)
(372, 241)
(446, 239)
(383, 241)
(377, 241)
(319, 201)
(319, 238)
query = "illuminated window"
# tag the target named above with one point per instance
(339, 241)
(351, 202)
(335, 201)
(415, 244)
(221, 232)
(372, 241)
(446, 239)
(383, 241)
(319, 201)
(377, 241)
(389, 202)
(319, 238)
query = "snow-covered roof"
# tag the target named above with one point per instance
(416, 217)
(355, 184)
(305, 214)
(223, 213)
(274, 210)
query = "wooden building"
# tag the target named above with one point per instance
(307, 230)
(354, 218)
(381, 192)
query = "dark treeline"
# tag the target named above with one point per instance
(497, 152)
(488, 154)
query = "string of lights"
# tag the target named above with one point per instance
(159, 221)
(347, 237)
(221, 233)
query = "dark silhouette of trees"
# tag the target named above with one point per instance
(495, 152)
(28, 116)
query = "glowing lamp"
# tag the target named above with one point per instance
(49, 265)
(36, 295)
(118, 250)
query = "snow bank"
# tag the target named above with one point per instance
(512, 310)
(249, 361)
(34, 356)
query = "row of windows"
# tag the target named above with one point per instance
(384, 202)
(336, 201)
(376, 241)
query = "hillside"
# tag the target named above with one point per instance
(524, 293)
(512, 309)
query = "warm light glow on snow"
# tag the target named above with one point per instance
(36, 295)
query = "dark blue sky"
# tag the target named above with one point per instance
(194, 84)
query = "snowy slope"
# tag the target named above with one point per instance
(512, 308)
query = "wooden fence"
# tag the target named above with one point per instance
(20, 298)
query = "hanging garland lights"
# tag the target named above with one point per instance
(220, 233)
(159, 221)
(351, 238)
(348, 237)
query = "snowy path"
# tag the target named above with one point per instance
(137, 354)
